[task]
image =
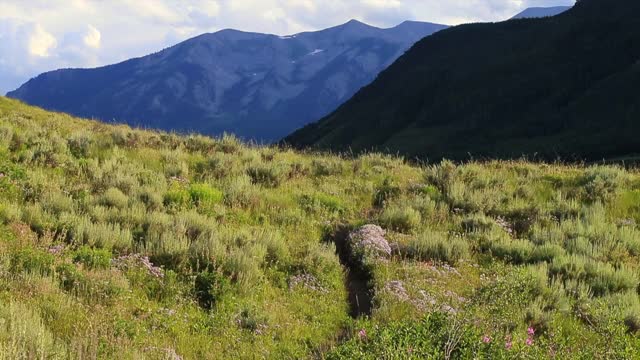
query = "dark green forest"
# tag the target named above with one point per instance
(558, 87)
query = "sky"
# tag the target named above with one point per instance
(43, 35)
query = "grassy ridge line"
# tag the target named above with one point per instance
(127, 243)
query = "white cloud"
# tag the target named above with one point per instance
(93, 37)
(382, 4)
(40, 42)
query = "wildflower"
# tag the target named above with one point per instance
(486, 339)
(531, 331)
(508, 345)
(529, 341)
(362, 334)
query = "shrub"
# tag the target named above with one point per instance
(442, 175)
(205, 195)
(208, 250)
(25, 335)
(101, 235)
(113, 197)
(244, 267)
(437, 246)
(10, 213)
(632, 321)
(92, 258)
(513, 251)
(266, 175)
(38, 219)
(240, 193)
(320, 261)
(401, 219)
(69, 275)
(385, 192)
(209, 287)
(199, 143)
(327, 167)
(277, 250)
(192, 224)
(57, 203)
(546, 253)
(604, 279)
(31, 261)
(318, 202)
(477, 223)
(80, 143)
(6, 134)
(176, 198)
(601, 183)
(536, 317)
(250, 320)
(152, 199)
(229, 144)
(174, 167)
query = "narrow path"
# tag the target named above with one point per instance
(357, 278)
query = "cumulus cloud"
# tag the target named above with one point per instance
(40, 42)
(41, 35)
(92, 38)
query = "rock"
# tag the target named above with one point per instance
(505, 225)
(396, 288)
(307, 281)
(448, 309)
(369, 240)
(425, 301)
(138, 260)
(453, 295)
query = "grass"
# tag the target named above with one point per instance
(123, 243)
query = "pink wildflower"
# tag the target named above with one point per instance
(362, 334)
(531, 331)
(529, 341)
(486, 339)
(508, 345)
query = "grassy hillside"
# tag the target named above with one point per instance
(565, 86)
(122, 243)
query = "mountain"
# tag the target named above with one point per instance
(257, 86)
(539, 12)
(565, 86)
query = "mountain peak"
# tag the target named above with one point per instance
(538, 12)
(356, 24)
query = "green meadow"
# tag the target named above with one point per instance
(133, 244)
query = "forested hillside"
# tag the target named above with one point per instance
(564, 86)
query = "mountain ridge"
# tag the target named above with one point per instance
(258, 86)
(537, 12)
(547, 87)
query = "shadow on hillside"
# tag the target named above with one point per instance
(357, 277)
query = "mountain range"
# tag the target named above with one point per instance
(258, 86)
(565, 86)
